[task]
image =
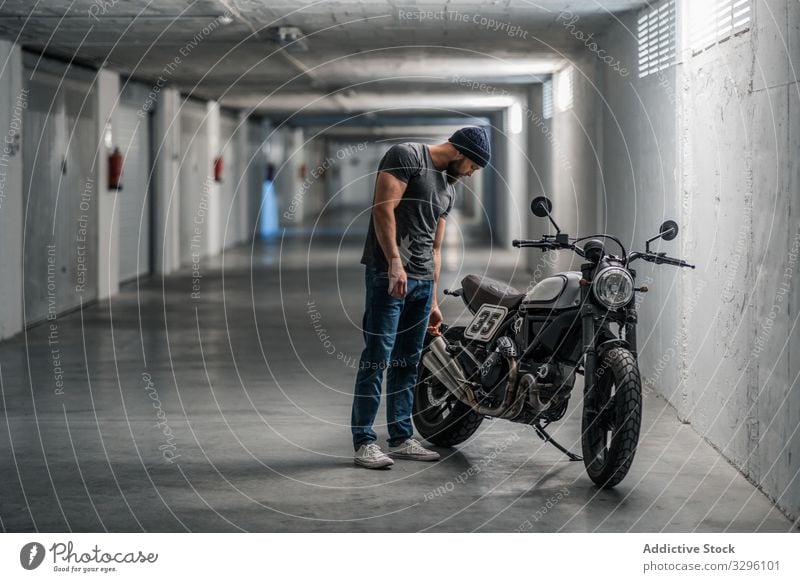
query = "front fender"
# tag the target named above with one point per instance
(610, 343)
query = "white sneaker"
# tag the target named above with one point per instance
(371, 456)
(411, 449)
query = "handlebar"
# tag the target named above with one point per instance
(659, 259)
(545, 245)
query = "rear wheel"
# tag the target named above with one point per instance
(610, 427)
(440, 418)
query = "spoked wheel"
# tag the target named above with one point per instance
(610, 427)
(440, 417)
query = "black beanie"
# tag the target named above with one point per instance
(473, 142)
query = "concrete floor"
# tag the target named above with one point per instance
(230, 412)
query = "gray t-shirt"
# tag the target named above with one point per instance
(428, 197)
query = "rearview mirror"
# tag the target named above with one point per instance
(541, 206)
(668, 229)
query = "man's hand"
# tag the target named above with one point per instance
(398, 280)
(434, 321)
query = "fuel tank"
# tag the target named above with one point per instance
(560, 291)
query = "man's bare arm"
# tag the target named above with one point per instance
(437, 255)
(436, 315)
(388, 193)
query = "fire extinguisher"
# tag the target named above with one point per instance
(115, 170)
(219, 168)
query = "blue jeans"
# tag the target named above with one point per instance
(394, 332)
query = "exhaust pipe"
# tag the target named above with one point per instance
(445, 368)
(449, 372)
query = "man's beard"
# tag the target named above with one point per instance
(452, 173)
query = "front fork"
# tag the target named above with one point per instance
(588, 317)
(591, 320)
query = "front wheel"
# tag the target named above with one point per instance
(612, 419)
(440, 418)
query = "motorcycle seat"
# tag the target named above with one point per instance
(482, 290)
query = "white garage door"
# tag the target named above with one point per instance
(131, 133)
(229, 198)
(60, 221)
(195, 203)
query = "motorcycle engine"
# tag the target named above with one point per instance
(548, 390)
(489, 368)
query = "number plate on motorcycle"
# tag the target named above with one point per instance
(485, 322)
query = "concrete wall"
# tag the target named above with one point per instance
(242, 176)
(167, 144)
(714, 141)
(198, 203)
(212, 138)
(229, 211)
(540, 174)
(516, 174)
(315, 192)
(12, 104)
(508, 177)
(288, 182)
(108, 88)
(575, 156)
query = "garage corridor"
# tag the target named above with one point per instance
(255, 379)
(186, 188)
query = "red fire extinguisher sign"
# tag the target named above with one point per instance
(219, 168)
(115, 170)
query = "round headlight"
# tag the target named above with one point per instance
(613, 287)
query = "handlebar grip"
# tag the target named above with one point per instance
(524, 242)
(673, 261)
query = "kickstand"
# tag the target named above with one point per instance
(542, 434)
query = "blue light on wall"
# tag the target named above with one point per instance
(268, 228)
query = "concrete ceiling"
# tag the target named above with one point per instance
(356, 45)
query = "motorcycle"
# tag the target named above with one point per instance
(519, 356)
